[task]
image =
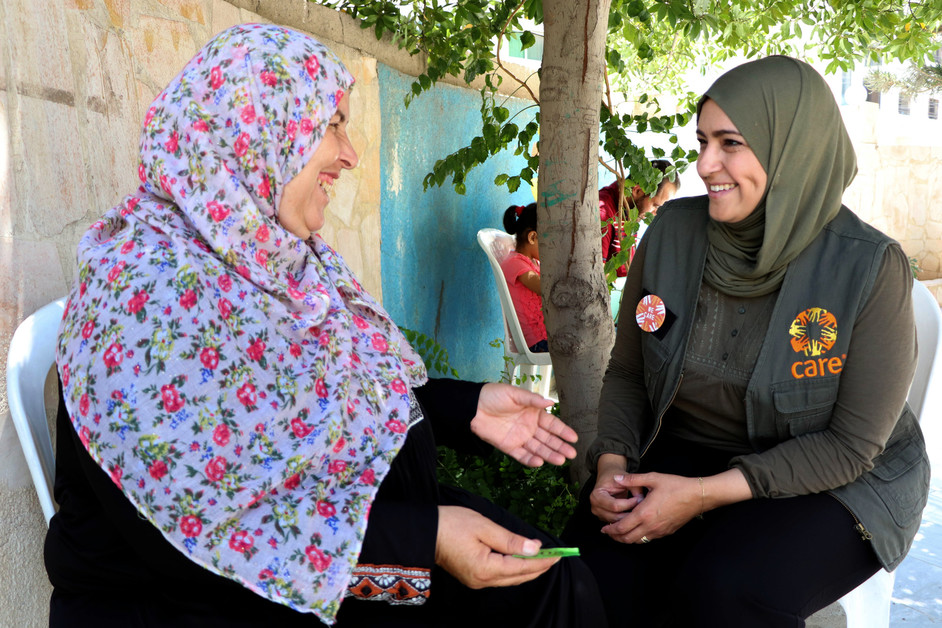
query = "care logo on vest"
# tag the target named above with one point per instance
(813, 333)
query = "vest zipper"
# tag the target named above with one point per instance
(859, 526)
(657, 429)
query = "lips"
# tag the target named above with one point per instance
(722, 188)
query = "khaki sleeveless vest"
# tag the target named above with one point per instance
(795, 381)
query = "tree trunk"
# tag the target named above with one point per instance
(575, 297)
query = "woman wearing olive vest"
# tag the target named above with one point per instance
(756, 458)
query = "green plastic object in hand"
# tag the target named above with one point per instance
(552, 552)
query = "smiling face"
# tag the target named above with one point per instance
(305, 197)
(734, 178)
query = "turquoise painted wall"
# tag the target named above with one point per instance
(436, 279)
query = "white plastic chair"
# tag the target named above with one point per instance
(532, 366)
(868, 606)
(32, 354)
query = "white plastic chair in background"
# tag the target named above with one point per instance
(32, 354)
(497, 245)
(868, 606)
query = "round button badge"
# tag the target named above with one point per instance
(650, 313)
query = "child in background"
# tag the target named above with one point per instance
(522, 271)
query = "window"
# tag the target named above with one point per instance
(873, 96)
(533, 53)
(904, 102)
(933, 108)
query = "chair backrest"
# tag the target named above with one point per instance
(925, 398)
(497, 245)
(32, 354)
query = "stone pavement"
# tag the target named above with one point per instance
(917, 593)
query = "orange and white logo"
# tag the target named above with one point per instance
(650, 313)
(813, 333)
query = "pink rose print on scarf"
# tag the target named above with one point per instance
(216, 469)
(188, 299)
(312, 65)
(256, 350)
(215, 78)
(269, 78)
(158, 469)
(209, 357)
(241, 541)
(221, 435)
(225, 307)
(116, 474)
(136, 303)
(217, 210)
(172, 143)
(300, 428)
(368, 477)
(247, 396)
(114, 355)
(262, 233)
(326, 509)
(379, 343)
(319, 560)
(241, 145)
(171, 398)
(396, 426)
(190, 526)
(115, 271)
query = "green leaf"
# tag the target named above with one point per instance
(527, 39)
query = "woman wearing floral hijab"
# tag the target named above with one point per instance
(756, 458)
(235, 406)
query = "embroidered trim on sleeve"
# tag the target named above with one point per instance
(393, 584)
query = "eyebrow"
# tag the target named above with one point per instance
(721, 132)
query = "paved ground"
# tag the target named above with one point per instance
(917, 594)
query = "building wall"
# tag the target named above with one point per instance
(75, 80)
(436, 279)
(76, 77)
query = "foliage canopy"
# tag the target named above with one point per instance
(652, 46)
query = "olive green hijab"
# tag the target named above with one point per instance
(788, 116)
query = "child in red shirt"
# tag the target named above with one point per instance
(522, 271)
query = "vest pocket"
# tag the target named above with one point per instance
(655, 356)
(900, 477)
(803, 406)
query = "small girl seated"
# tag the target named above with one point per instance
(522, 272)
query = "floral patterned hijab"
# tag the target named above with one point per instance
(237, 383)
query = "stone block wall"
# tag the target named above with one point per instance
(76, 77)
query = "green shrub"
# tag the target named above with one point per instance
(542, 496)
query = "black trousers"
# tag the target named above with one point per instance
(763, 562)
(112, 569)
